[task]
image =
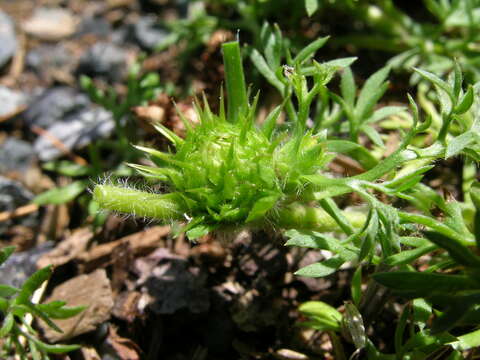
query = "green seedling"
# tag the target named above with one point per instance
(17, 333)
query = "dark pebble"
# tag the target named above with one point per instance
(104, 60)
(15, 155)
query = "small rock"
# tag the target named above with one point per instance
(50, 24)
(20, 266)
(15, 155)
(46, 57)
(92, 291)
(12, 196)
(12, 102)
(93, 25)
(104, 60)
(8, 38)
(75, 132)
(53, 105)
(147, 33)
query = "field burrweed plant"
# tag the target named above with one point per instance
(229, 173)
(16, 333)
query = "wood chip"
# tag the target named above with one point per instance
(67, 249)
(140, 243)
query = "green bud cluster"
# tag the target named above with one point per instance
(223, 174)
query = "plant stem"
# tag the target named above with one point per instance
(235, 80)
(302, 217)
(165, 207)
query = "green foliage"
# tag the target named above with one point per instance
(229, 173)
(18, 336)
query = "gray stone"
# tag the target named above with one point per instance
(13, 195)
(11, 101)
(93, 25)
(105, 60)
(20, 266)
(75, 132)
(8, 38)
(147, 33)
(15, 155)
(49, 56)
(54, 105)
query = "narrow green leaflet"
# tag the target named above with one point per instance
(321, 269)
(322, 315)
(467, 341)
(418, 284)
(68, 168)
(371, 92)
(309, 51)
(311, 6)
(457, 251)
(32, 284)
(5, 253)
(62, 195)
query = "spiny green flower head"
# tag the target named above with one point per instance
(226, 172)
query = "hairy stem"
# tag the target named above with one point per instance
(165, 207)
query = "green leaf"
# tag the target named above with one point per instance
(416, 284)
(5, 253)
(32, 284)
(408, 256)
(68, 168)
(7, 325)
(371, 92)
(321, 269)
(434, 79)
(422, 311)
(55, 349)
(335, 64)
(268, 126)
(198, 231)
(262, 66)
(311, 6)
(373, 135)
(7, 290)
(467, 341)
(348, 87)
(354, 150)
(309, 51)
(356, 287)
(28, 307)
(459, 143)
(324, 316)
(61, 195)
(261, 207)
(55, 311)
(451, 316)
(423, 339)
(316, 240)
(466, 102)
(460, 253)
